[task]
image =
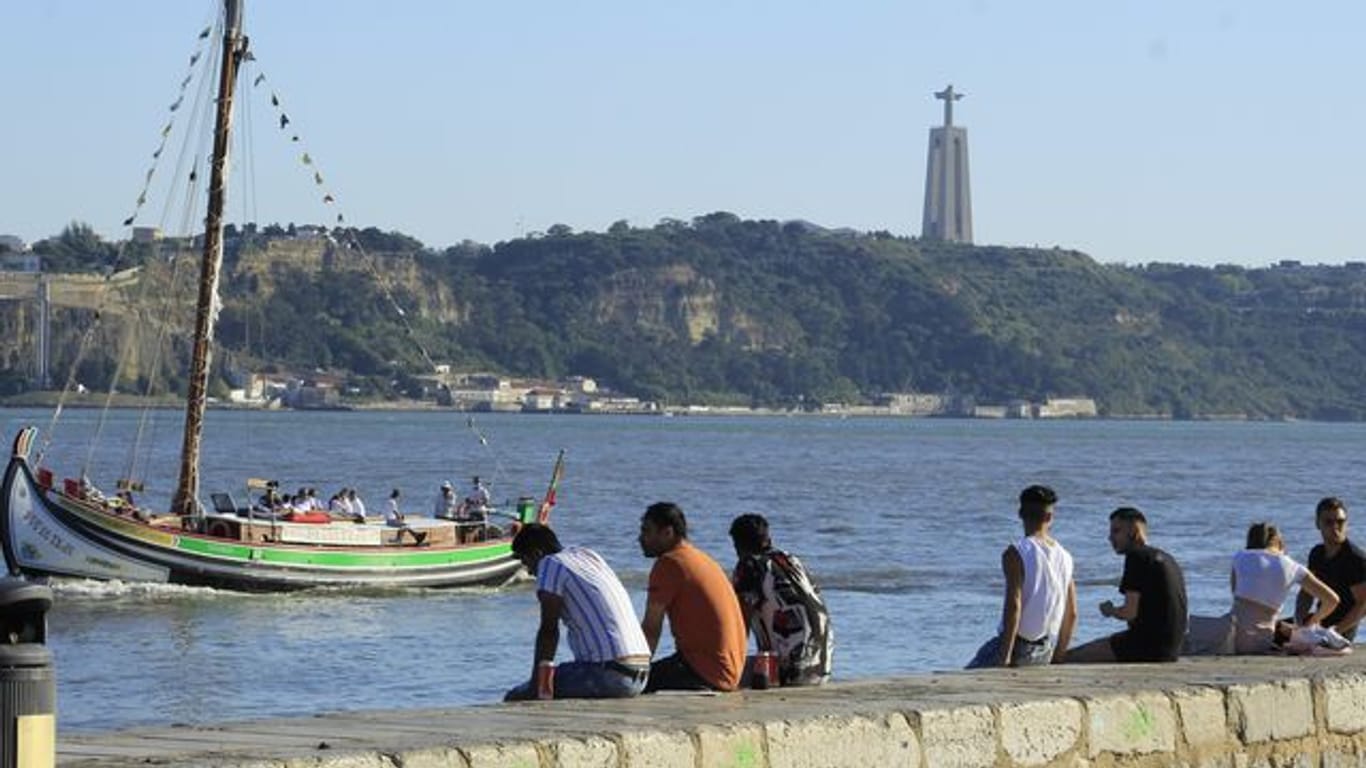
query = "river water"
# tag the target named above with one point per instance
(900, 521)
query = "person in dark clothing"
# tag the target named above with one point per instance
(1341, 565)
(1154, 599)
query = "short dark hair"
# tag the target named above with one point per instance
(534, 536)
(1260, 535)
(1129, 515)
(750, 533)
(1329, 504)
(1034, 500)
(666, 514)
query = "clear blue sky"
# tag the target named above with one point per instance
(1196, 132)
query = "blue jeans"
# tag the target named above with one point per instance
(1024, 654)
(588, 680)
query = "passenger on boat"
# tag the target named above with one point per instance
(478, 499)
(781, 606)
(446, 505)
(1040, 609)
(576, 586)
(1154, 599)
(339, 506)
(1341, 565)
(689, 588)
(270, 501)
(394, 518)
(357, 506)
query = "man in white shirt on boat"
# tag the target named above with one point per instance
(1040, 609)
(357, 506)
(340, 506)
(394, 518)
(576, 586)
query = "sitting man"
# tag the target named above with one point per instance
(1040, 608)
(781, 605)
(576, 586)
(394, 518)
(1154, 599)
(704, 615)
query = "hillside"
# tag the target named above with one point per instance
(757, 312)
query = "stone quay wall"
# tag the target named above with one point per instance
(1236, 712)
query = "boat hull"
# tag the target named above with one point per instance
(46, 533)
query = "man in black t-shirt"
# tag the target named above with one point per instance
(1341, 565)
(1154, 599)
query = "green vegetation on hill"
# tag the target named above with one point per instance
(721, 309)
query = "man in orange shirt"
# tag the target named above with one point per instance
(704, 615)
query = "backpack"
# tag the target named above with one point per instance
(790, 617)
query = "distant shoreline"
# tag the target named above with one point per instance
(86, 402)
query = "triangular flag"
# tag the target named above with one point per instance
(128, 222)
(307, 160)
(193, 59)
(329, 199)
(317, 178)
(259, 79)
(205, 33)
(284, 120)
(176, 105)
(274, 100)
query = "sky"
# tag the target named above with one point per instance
(1190, 132)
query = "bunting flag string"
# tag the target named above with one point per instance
(349, 240)
(165, 133)
(305, 157)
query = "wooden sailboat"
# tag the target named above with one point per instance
(68, 529)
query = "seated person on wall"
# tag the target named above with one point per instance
(781, 605)
(1341, 565)
(576, 586)
(1040, 609)
(1154, 599)
(1262, 579)
(689, 588)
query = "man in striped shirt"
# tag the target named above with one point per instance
(576, 586)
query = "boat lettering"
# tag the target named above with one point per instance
(47, 534)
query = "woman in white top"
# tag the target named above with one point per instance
(1262, 579)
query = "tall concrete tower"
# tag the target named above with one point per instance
(948, 197)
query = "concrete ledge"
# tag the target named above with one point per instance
(1245, 711)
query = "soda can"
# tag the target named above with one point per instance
(545, 680)
(765, 670)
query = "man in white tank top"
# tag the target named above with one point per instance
(1040, 608)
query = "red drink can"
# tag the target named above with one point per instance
(545, 680)
(765, 670)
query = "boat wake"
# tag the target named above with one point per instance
(89, 589)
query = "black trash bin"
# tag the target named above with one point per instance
(28, 688)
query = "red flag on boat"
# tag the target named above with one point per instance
(548, 503)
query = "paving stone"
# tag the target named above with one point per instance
(964, 737)
(1131, 725)
(1037, 732)
(1344, 700)
(734, 746)
(1204, 716)
(836, 742)
(1271, 711)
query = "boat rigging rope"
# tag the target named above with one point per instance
(83, 345)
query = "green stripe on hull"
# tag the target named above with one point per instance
(415, 558)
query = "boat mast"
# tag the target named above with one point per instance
(186, 501)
